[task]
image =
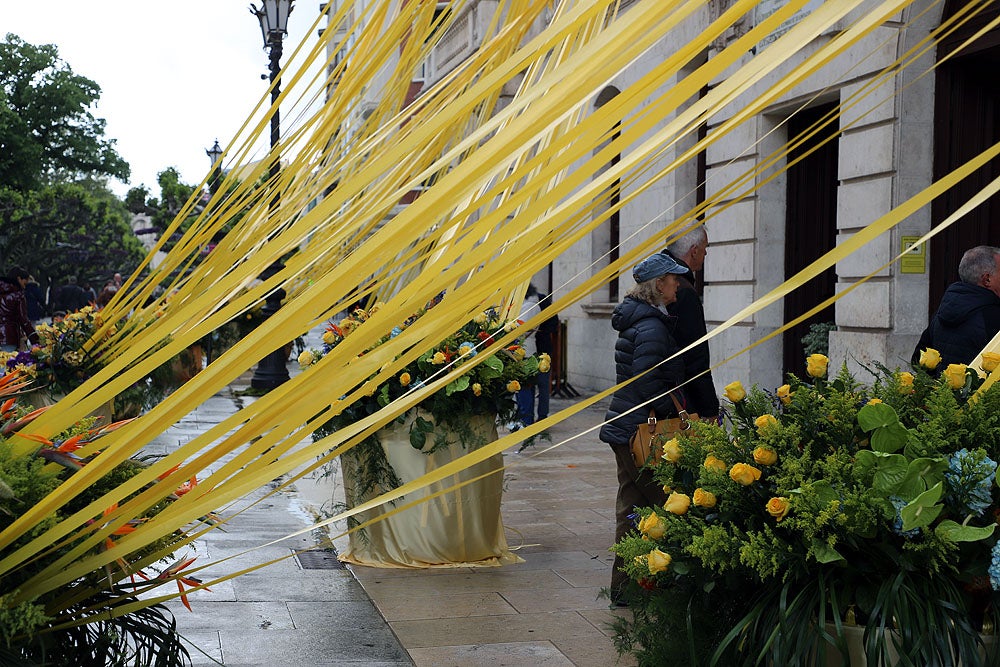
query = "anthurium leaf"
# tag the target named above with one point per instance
(876, 415)
(890, 473)
(459, 384)
(824, 491)
(890, 438)
(921, 474)
(491, 368)
(824, 553)
(956, 532)
(922, 510)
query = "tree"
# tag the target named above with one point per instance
(47, 130)
(79, 229)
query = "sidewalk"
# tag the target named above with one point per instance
(559, 512)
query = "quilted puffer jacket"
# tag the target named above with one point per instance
(644, 340)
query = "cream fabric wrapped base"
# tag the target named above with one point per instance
(458, 529)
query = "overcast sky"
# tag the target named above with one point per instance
(174, 76)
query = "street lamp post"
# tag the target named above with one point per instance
(273, 16)
(214, 153)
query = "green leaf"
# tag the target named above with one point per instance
(460, 384)
(922, 510)
(890, 438)
(890, 473)
(824, 553)
(877, 415)
(824, 491)
(956, 532)
(417, 438)
(921, 474)
(490, 369)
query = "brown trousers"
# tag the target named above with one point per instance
(636, 488)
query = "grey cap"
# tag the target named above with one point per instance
(655, 266)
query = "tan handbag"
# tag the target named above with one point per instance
(643, 443)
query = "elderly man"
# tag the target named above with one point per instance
(969, 314)
(689, 251)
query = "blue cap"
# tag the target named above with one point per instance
(655, 266)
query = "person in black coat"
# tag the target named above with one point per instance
(35, 300)
(968, 316)
(645, 342)
(689, 251)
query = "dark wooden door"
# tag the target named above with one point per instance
(810, 227)
(966, 122)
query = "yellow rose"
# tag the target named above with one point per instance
(990, 361)
(703, 498)
(874, 401)
(329, 337)
(438, 358)
(764, 422)
(405, 379)
(677, 503)
(657, 561)
(955, 375)
(816, 365)
(519, 353)
(713, 463)
(765, 456)
(744, 474)
(653, 526)
(784, 393)
(672, 450)
(668, 489)
(544, 363)
(513, 385)
(930, 358)
(306, 358)
(477, 389)
(482, 318)
(905, 383)
(778, 507)
(735, 391)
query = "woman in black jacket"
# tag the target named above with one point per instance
(645, 341)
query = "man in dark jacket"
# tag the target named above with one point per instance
(969, 314)
(14, 322)
(689, 251)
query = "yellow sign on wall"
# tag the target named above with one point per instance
(915, 260)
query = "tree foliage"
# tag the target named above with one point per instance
(79, 229)
(47, 129)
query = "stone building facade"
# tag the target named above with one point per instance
(917, 124)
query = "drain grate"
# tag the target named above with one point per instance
(319, 559)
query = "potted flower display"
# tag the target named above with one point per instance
(462, 526)
(827, 522)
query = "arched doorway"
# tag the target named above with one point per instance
(966, 121)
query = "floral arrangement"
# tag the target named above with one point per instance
(487, 388)
(822, 505)
(59, 362)
(62, 360)
(79, 623)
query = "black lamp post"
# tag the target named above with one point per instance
(214, 153)
(273, 16)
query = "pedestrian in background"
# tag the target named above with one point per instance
(35, 300)
(689, 251)
(14, 323)
(968, 316)
(645, 342)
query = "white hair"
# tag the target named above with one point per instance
(690, 237)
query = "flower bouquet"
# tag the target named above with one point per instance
(461, 527)
(64, 358)
(822, 510)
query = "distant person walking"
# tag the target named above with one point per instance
(35, 299)
(71, 296)
(689, 251)
(14, 323)
(968, 316)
